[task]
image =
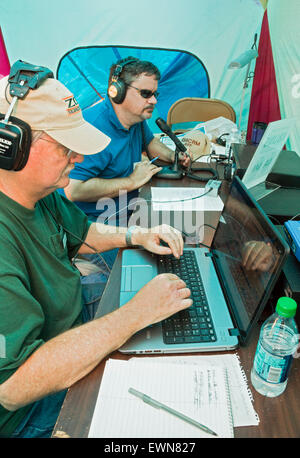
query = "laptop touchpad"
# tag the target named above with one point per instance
(135, 277)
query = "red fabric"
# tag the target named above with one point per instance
(264, 105)
(4, 62)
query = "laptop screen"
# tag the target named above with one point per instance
(248, 255)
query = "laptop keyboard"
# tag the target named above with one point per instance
(192, 325)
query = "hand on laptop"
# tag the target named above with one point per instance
(163, 296)
(257, 255)
(150, 239)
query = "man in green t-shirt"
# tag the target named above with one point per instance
(47, 347)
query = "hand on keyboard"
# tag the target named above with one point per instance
(150, 239)
(163, 296)
(195, 324)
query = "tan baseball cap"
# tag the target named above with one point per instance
(197, 144)
(53, 108)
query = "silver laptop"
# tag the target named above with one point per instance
(228, 297)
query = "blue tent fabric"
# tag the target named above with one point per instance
(85, 72)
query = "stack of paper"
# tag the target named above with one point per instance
(240, 395)
(200, 391)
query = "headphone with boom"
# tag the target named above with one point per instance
(15, 134)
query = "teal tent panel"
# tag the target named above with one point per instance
(285, 38)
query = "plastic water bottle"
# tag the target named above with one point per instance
(233, 137)
(277, 343)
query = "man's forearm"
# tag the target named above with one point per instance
(68, 357)
(65, 359)
(157, 148)
(97, 188)
(110, 237)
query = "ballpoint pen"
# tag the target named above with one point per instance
(158, 405)
(154, 159)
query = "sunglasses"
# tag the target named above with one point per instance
(145, 93)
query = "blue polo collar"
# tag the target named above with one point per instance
(112, 114)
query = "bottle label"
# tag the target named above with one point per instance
(271, 368)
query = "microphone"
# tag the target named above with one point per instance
(173, 172)
(164, 127)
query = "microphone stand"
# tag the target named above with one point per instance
(173, 171)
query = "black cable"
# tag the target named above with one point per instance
(5, 94)
(89, 246)
(209, 225)
(157, 202)
(181, 200)
(275, 219)
(298, 214)
(203, 244)
(213, 172)
(77, 237)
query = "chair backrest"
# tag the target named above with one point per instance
(196, 109)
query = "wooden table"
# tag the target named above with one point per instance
(279, 417)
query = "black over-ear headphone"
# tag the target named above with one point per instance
(15, 134)
(117, 89)
(15, 142)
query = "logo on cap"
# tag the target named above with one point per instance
(72, 104)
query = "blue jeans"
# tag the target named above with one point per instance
(41, 418)
(93, 285)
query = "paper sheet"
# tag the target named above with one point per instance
(198, 392)
(241, 398)
(268, 151)
(184, 199)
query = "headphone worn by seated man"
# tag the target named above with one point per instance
(15, 134)
(118, 88)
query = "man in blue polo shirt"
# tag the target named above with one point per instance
(105, 183)
(106, 174)
(119, 169)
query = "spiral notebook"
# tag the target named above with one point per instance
(199, 392)
(241, 397)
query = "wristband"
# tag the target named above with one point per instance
(128, 235)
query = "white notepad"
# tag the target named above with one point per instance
(184, 199)
(199, 392)
(240, 395)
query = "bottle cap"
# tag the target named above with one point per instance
(286, 307)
